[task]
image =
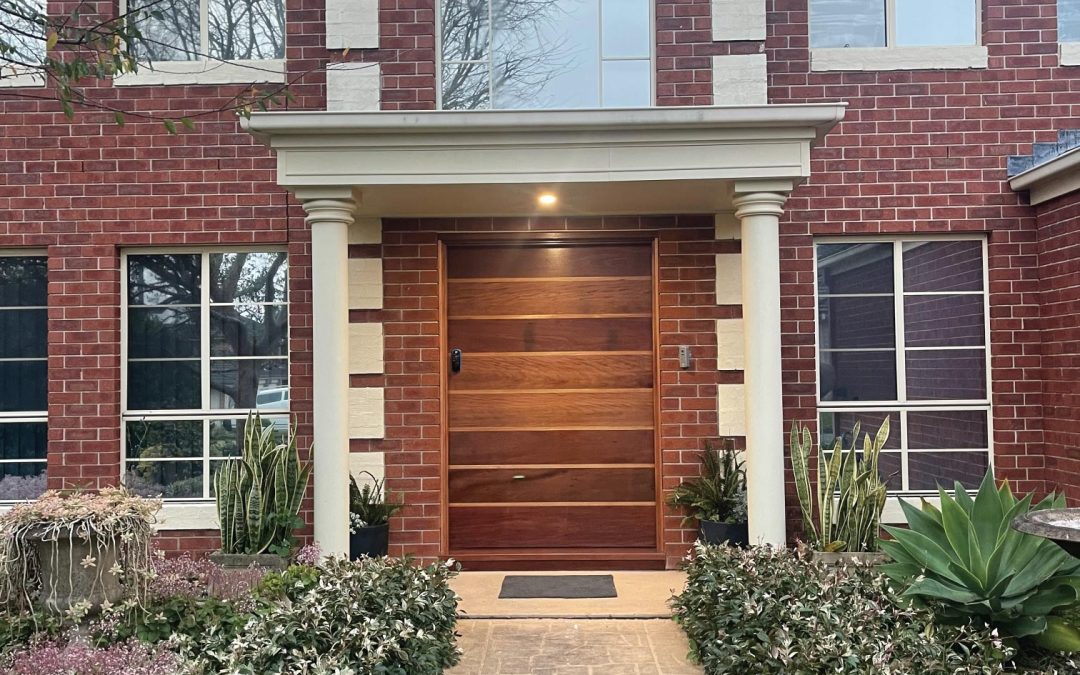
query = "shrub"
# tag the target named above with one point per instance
(773, 611)
(379, 615)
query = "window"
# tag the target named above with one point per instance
(893, 23)
(22, 29)
(1068, 20)
(23, 372)
(545, 53)
(218, 30)
(206, 335)
(902, 332)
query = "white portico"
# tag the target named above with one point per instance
(740, 160)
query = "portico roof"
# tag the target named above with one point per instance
(495, 162)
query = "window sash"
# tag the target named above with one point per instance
(890, 18)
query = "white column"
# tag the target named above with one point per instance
(759, 217)
(330, 220)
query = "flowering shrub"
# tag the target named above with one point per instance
(308, 555)
(54, 657)
(377, 615)
(182, 576)
(772, 611)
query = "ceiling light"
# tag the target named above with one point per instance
(547, 199)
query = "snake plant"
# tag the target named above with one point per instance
(842, 511)
(967, 560)
(259, 494)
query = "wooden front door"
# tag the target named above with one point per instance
(551, 418)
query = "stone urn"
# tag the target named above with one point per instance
(76, 569)
(1061, 526)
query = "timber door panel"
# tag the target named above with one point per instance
(551, 436)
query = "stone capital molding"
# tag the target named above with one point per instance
(759, 204)
(340, 211)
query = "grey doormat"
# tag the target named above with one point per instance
(558, 586)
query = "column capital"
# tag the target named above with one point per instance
(324, 210)
(759, 204)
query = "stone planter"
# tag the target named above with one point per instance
(843, 558)
(241, 561)
(65, 582)
(238, 572)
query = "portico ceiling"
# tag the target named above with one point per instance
(486, 163)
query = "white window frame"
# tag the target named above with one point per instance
(903, 405)
(893, 57)
(18, 76)
(190, 512)
(205, 70)
(1068, 50)
(25, 416)
(600, 50)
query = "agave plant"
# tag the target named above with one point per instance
(258, 495)
(719, 493)
(843, 512)
(967, 560)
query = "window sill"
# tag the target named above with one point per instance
(894, 515)
(899, 58)
(187, 516)
(1069, 54)
(10, 78)
(204, 72)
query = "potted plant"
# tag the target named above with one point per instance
(76, 551)
(258, 499)
(717, 497)
(841, 511)
(369, 517)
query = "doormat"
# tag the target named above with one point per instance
(560, 586)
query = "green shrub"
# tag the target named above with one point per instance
(771, 611)
(290, 584)
(185, 619)
(378, 616)
(966, 558)
(18, 628)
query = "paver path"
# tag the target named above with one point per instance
(572, 647)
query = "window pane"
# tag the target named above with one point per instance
(935, 22)
(944, 321)
(626, 30)
(31, 392)
(465, 86)
(1068, 20)
(23, 281)
(164, 279)
(170, 29)
(842, 424)
(939, 266)
(248, 277)
(23, 440)
(465, 30)
(847, 23)
(858, 376)
(947, 429)
(22, 481)
(227, 436)
(854, 268)
(23, 333)
(856, 323)
(163, 385)
(927, 470)
(172, 480)
(249, 330)
(627, 84)
(946, 374)
(236, 383)
(155, 332)
(154, 439)
(24, 32)
(247, 29)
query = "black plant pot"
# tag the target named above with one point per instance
(372, 541)
(715, 533)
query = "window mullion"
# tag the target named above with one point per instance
(204, 28)
(898, 321)
(204, 331)
(890, 23)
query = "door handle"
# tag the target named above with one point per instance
(455, 360)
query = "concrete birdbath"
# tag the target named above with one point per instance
(1062, 526)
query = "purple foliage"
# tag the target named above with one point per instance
(309, 555)
(183, 576)
(54, 657)
(22, 488)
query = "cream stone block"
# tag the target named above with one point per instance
(352, 24)
(738, 20)
(366, 408)
(728, 279)
(1069, 54)
(727, 226)
(729, 344)
(731, 409)
(899, 58)
(740, 79)
(352, 86)
(365, 283)
(372, 462)
(365, 348)
(366, 231)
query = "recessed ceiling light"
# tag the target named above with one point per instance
(547, 199)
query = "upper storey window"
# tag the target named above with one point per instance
(218, 30)
(1068, 20)
(545, 54)
(893, 23)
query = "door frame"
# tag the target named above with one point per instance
(549, 559)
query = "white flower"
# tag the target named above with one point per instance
(89, 561)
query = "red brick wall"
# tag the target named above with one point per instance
(1059, 272)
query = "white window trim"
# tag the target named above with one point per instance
(599, 42)
(179, 514)
(902, 404)
(950, 57)
(20, 77)
(1069, 53)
